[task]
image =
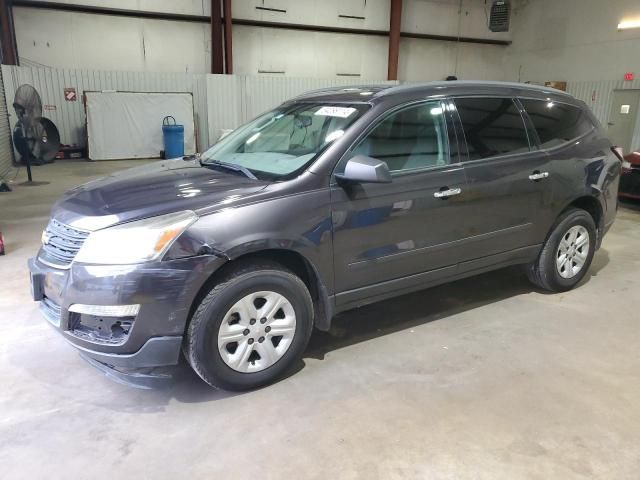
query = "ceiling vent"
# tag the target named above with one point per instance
(500, 16)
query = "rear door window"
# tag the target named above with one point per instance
(492, 127)
(556, 123)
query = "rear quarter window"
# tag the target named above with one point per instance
(557, 123)
(492, 127)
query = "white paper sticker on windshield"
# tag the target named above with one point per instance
(342, 112)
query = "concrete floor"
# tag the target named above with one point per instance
(481, 379)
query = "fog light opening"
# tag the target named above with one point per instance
(106, 310)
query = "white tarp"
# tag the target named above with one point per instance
(129, 125)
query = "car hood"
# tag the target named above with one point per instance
(153, 189)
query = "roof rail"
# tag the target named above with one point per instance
(479, 83)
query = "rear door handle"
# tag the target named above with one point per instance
(451, 192)
(535, 176)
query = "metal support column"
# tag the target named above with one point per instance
(217, 62)
(7, 34)
(394, 39)
(228, 37)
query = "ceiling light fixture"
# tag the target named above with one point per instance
(628, 24)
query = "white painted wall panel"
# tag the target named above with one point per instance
(59, 39)
(306, 54)
(573, 40)
(422, 60)
(303, 54)
(225, 105)
(201, 112)
(318, 12)
(440, 17)
(101, 42)
(69, 117)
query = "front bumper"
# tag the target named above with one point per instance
(164, 290)
(156, 352)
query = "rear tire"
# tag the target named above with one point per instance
(250, 328)
(567, 253)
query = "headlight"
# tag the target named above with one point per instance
(135, 242)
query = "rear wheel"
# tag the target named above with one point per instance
(250, 328)
(567, 254)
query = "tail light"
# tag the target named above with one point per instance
(626, 166)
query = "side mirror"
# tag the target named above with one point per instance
(363, 169)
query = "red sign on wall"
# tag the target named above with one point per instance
(70, 94)
(628, 77)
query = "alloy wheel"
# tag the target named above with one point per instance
(572, 252)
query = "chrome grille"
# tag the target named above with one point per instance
(61, 244)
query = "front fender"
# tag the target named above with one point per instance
(299, 223)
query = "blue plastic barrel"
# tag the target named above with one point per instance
(173, 135)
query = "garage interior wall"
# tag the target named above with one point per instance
(562, 41)
(69, 117)
(572, 41)
(220, 101)
(53, 38)
(599, 95)
(71, 40)
(236, 99)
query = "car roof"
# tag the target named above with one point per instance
(348, 94)
(383, 92)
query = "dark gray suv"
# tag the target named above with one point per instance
(335, 199)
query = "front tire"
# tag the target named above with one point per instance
(250, 328)
(567, 254)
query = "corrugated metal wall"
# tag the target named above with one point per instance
(602, 91)
(220, 101)
(69, 117)
(226, 108)
(235, 99)
(6, 157)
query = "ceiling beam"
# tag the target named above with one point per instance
(363, 31)
(120, 12)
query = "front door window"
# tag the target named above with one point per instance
(410, 139)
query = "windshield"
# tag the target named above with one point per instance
(285, 140)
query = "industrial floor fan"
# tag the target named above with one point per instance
(35, 137)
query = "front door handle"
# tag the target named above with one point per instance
(536, 176)
(451, 192)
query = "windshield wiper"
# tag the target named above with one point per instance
(230, 166)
